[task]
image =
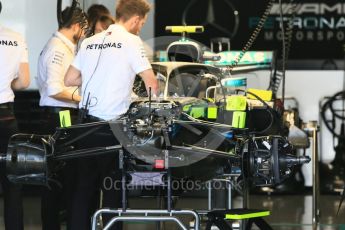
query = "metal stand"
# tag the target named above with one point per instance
(125, 214)
(246, 224)
(144, 215)
(228, 219)
(227, 179)
(312, 129)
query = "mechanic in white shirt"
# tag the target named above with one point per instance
(14, 75)
(105, 68)
(102, 23)
(94, 12)
(53, 63)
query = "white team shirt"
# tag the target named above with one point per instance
(13, 51)
(53, 63)
(108, 63)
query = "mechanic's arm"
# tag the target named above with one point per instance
(73, 77)
(150, 81)
(70, 80)
(23, 79)
(67, 96)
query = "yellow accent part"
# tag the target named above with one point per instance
(212, 112)
(197, 112)
(247, 216)
(236, 103)
(184, 29)
(265, 95)
(210, 100)
(186, 108)
(239, 119)
(65, 119)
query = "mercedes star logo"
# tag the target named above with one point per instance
(216, 16)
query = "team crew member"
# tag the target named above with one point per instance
(94, 12)
(105, 68)
(102, 23)
(53, 63)
(14, 75)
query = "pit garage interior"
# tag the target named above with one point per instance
(248, 127)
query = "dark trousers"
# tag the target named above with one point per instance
(58, 196)
(13, 205)
(95, 174)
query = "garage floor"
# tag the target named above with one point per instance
(288, 212)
